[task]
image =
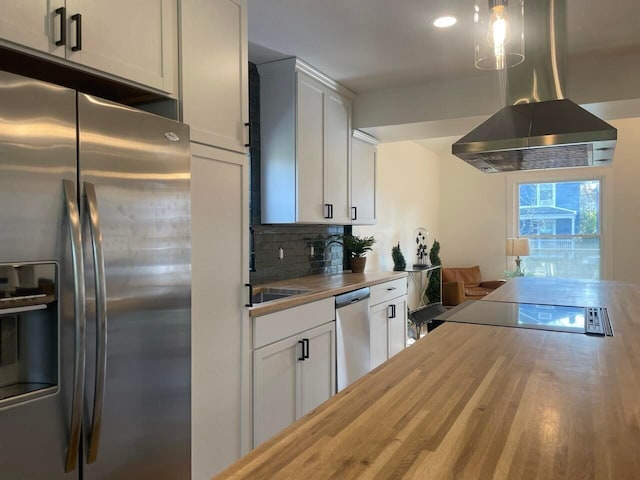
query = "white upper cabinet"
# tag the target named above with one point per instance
(34, 24)
(215, 72)
(130, 40)
(133, 40)
(310, 149)
(337, 157)
(305, 122)
(363, 179)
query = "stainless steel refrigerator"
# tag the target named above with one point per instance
(95, 275)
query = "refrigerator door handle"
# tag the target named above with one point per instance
(80, 321)
(101, 320)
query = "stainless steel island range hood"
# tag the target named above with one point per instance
(540, 128)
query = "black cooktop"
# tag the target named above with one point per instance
(559, 318)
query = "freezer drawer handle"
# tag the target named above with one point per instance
(101, 320)
(78, 19)
(80, 321)
(62, 12)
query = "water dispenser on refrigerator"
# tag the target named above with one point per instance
(28, 331)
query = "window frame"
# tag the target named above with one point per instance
(600, 174)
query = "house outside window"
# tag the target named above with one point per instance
(546, 194)
(563, 223)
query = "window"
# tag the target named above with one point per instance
(563, 223)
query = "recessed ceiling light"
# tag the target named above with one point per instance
(445, 22)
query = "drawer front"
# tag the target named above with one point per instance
(383, 292)
(279, 325)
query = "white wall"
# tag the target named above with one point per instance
(407, 183)
(472, 215)
(407, 198)
(626, 201)
(473, 207)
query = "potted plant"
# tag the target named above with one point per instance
(399, 263)
(358, 248)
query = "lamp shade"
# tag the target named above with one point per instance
(517, 247)
(499, 33)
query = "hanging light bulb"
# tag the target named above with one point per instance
(499, 33)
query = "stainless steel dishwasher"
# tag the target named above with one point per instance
(352, 336)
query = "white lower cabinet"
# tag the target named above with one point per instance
(388, 320)
(290, 378)
(276, 378)
(317, 379)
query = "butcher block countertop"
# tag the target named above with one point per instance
(482, 402)
(320, 287)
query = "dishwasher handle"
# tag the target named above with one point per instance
(350, 298)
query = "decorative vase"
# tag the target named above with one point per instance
(357, 264)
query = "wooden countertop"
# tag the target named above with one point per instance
(482, 402)
(320, 287)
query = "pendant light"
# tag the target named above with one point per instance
(499, 33)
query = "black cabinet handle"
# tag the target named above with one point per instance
(248, 125)
(301, 357)
(78, 19)
(391, 311)
(329, 210)
(390, 289)
(63, 30)
(306, 343)
(250, 304)
(354, 211)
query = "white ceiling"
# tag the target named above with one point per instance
(377, 44)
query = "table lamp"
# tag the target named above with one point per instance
(518, 247)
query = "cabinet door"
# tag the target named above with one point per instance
(337, 157)
(318, 380)
(310, 150)
(363, 183)
(220, 398)
(34, 24)
(132, 40)
(398, 326)
(276, 377)
(214, 72)
(379, 334)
